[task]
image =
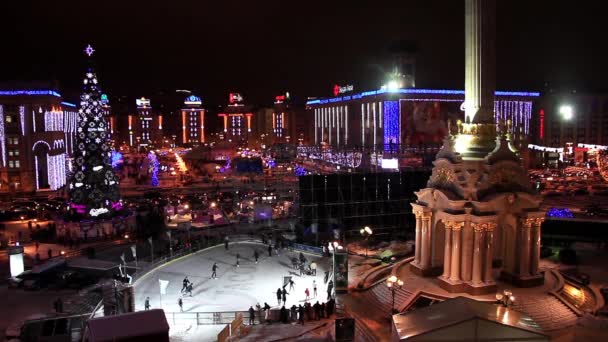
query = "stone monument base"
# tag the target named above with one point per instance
(523, 281)
(467, 287)
(426, 272)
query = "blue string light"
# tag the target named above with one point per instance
(300, 171)
(391, 123)
(416, 91)
(560, 213)
(153, 168)
(116, 159)
(67, 104)
(28, 92)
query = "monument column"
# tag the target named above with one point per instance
(477, 253)
(535, 246)
(480, 60)
(418, 237)
(524, 258)
(487, 276)
(426, 242)
(455, 267)
(447, 254)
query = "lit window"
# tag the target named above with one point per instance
(17, 164)
(11, 163)
(9, 119)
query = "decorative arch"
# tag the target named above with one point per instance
(41, 141)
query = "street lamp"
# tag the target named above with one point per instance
(366, 232)
(505, 298)
(393, 284)
(566, 112)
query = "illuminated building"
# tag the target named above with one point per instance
(237, 120)
(409, 116)
(146, 128)
(192, 122)
(37, 139)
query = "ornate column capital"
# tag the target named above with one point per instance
(527, 222)
(490, 226)
(456, 226)
(478, 227)
(538, 221)
(448, 225)
(418, 214)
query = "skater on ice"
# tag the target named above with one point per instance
(185, 283)
(251, 315)
(269, 250)
(256, 255)
(266, 311)
(214, 270)
(314, 287)
(181, 304)
(291, 284)
(238, 259)
(147, 304)
(279, 295)
(285, 296)
(307, 293)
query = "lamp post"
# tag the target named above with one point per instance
(393, 284)
(366, 232)
(505, 298)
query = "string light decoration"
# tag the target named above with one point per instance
(181, 165)
(391, 123)
(116, 159)
(300, 171)
(22, 119)
(93, 184)
(602, 163)
(560, 213)
(153, 166)
(2, 136)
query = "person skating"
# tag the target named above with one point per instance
(291, 284)
(181, 304)
(302, 258)
(313, 268)
(189, 288)
(226, 242)
(258, 308)
(256, 255)
(307, 294)
(238, 259)
(314, 287)
(322, 311)
(279, 295)
(147, 304)
(301, 269)
(269, 250)
(326, 276)
(214, 270)
(251, 315)
(330, 287)
(266, 311)
(185, 284)
(301, 314)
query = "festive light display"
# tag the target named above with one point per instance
(416, 91)
(153, 165)
(602, 163)
(22, 119)
(560, 213)
(29, 93)
(53, 120)
(392, 126)
(116, 159)
(68, 104)
(300, 171)
(93, 184)
(56, 171)
(2, 137)
(181, 165)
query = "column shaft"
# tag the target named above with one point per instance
(426, 243)
(418, 239)
(447, 254)
(524, 259)
(489, 241)
(455, 268)
(535, 247)
(477, 254)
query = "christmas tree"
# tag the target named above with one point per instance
(93, 189)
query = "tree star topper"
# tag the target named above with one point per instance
(89, 50)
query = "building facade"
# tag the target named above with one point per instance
(193, 122)
(237, 120)
(406, 116)
(37, 137)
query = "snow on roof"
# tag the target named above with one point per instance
(134, 324)
(458, 310)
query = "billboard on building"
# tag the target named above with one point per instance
(425, 122)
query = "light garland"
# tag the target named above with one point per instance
(391, 123)
(181, 165)
(153, 168)
(22, 119)
(2, 136)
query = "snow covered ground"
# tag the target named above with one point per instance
(236, 288)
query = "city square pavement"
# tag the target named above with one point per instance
(236, 288)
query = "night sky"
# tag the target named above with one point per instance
(263, 48)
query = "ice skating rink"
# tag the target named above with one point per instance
(236, 288)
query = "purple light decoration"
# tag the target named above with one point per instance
(89, 50)
(116, 159)
(117, 205)
(271, 163)
(299, 171)
(80, 208)
(391, 123)
(560, 213)
(153, 168)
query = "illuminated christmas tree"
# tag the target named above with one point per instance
(93, 188)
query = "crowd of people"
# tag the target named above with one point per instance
(299, 313)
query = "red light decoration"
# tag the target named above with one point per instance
(280, 98)
(542, 124)
(336, 90)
